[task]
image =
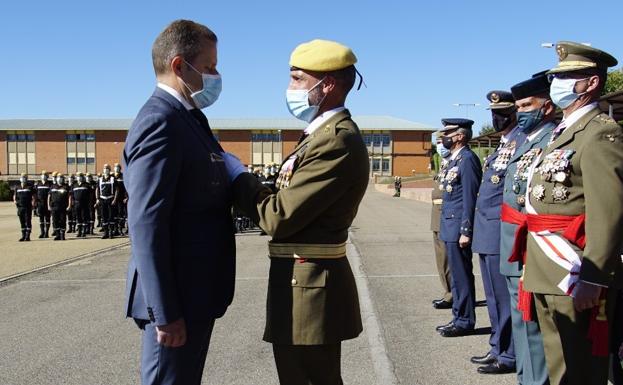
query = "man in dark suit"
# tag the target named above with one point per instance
(457, 220)
(181, 273)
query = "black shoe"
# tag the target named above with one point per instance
(496, 368)
(440, 327)
(23, 237)
(443, 304)
(42, 231)
(436, 300)
(454, 331)
(57, 237)
(27, 236)
(62, 235)
(483, 360)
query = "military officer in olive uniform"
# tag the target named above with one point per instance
(58, 204)
(441, 257)
(460, 187)
(535, 118)
(312, 297)
(501, 356)
(106, 195)
(575, 207)
(24, 199)
(42, 190)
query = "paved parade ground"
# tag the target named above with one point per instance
(65, 325)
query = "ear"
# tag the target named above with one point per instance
(176, 65)
(548, 106)
(329, 84)
(593, 83)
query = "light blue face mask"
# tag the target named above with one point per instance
(212, 87)
(442, 151)
(562, 92)
(298, 103)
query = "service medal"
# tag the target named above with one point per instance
(538, 192)
(521, 200)
(449, 188)
(516, 188)
(560, 193)
(495, 179)
(560, 176)
(441, 187)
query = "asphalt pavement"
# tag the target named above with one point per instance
(65, 324)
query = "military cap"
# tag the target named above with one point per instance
(117, 164)
(322, 56)
(537, 85)
(88, 174)
(107, 166)
(22, 174)
(55, 173)
(499, 100)
(79, 173)
(43, 172)
(454, 123)
(575, 56)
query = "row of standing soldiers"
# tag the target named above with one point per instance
(73, 205)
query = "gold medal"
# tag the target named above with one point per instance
(538, 192)
(495, 179)
(441, 188)
(449, 188)
(560, 176)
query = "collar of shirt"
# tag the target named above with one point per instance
(577, 114)
(456, 153)
(533, 135)
(176, 95)
(317, 122)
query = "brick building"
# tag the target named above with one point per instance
(396, 146)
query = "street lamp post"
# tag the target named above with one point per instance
(466, 105)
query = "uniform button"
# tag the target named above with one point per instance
(294, 281)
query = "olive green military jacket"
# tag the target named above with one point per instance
(436, 197)
(314, 302)
(593, 185)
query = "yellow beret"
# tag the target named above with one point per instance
(322, 56)
(106, 165)
(43, 172)
(23, 174)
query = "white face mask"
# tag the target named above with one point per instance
(562, 92)
(22, 180)
(298, 103)
(117, 169)
(44, 178)
(212, 87)
(106, 172)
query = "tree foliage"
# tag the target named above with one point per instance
(614, 82)
(487, 129)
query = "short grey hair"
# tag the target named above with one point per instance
(180, 38)
(466, 132)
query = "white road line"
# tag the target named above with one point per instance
(383, 368)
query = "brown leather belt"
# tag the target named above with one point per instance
(306, 250)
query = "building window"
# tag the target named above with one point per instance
(376, 165)
(80, 151)
(266, 147)
(367, 139)
(21, 152)
(385, 166)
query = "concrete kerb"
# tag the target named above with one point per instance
(6, 280)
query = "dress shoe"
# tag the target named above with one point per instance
(483, 360)
(496, 368)
(454, 331)
(443, 304)
(436, 300)
(440, 327)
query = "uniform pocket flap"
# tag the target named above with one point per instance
(309, 277)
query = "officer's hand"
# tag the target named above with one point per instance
(172, 335)
(464, 241)
(586, 296)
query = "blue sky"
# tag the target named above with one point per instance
(66, 59)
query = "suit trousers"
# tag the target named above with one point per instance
(498, 305)
(441, 259)
(529, 354)
(184, 365)
(308, 364)
(463, 290)
(567, 348)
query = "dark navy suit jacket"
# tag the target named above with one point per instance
(489, 202)
(179, 218)
(459, 197)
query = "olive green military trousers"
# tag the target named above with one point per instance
(567, 348)
(308, 364)
(441, 260)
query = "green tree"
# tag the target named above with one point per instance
(5, 191)
(487, 129)
(614, 82)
